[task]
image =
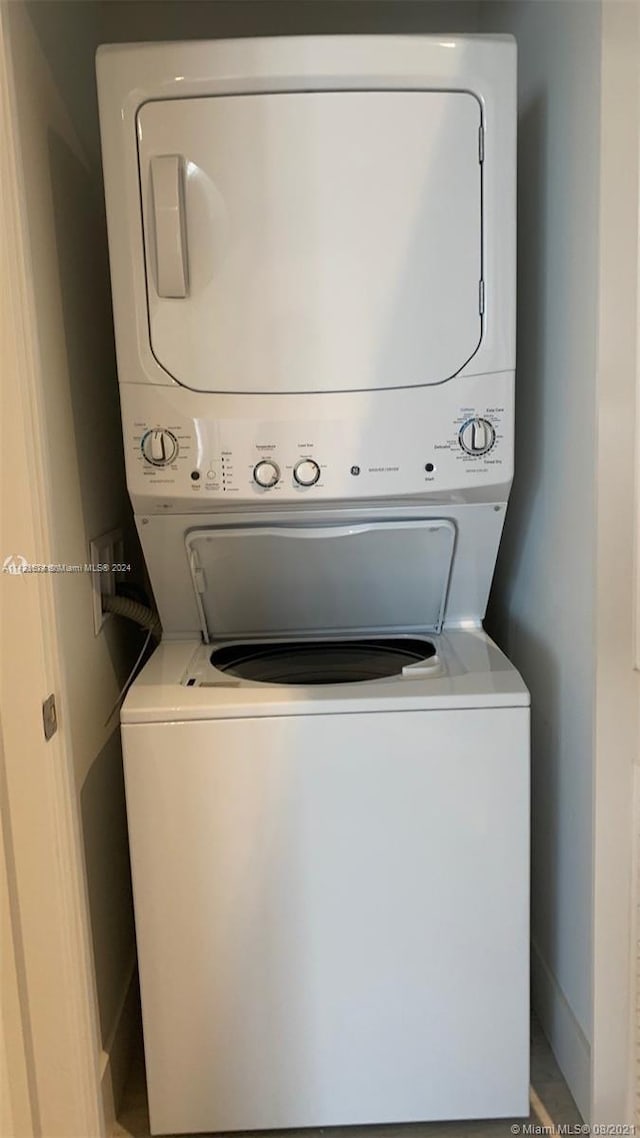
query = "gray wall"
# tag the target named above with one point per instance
(199, 19)
(542, 607)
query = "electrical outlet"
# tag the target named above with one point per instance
(104, 552)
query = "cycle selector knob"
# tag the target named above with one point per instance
(159, 447)
(306, 472)
(266, 474)
(477, 436)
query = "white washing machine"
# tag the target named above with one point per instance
(312, 248)
(330, 884)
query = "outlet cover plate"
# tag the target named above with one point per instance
(105, 552)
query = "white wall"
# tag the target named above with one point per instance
(634, 1077)
(616, 689)
(565, 558)
(543, 596)
(635, 1062)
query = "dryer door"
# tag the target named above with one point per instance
(309, 580)
(312, 242)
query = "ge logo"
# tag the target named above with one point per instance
(355, 469)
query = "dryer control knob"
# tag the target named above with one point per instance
(477, 436)
(306, 472)
(159, 447)
(266, 474)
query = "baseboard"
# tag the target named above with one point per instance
(566, 1037)
(116, 1054)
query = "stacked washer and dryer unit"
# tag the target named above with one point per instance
(313, 264)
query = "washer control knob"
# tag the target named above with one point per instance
(266, 474)
(306, 472)
(159, 447)
(477, 436)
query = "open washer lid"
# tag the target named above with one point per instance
(317, 580)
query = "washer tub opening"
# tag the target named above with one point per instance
(321, 661)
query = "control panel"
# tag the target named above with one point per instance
(424, 443)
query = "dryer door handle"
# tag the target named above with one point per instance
(347, 530)
(297, 532)
(167, 193)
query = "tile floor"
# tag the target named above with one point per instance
(550, 1088)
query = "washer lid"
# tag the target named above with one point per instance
(312, 241)
(310, 580)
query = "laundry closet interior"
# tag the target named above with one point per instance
(543, 604)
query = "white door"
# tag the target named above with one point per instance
(312, 242)
(49, 1040)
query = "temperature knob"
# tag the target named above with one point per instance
(159, 447)
(477, 436)
(266, 474)
(306, 472)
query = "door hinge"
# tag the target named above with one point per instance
(49, 717)
(481, 297)
(481, 144)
